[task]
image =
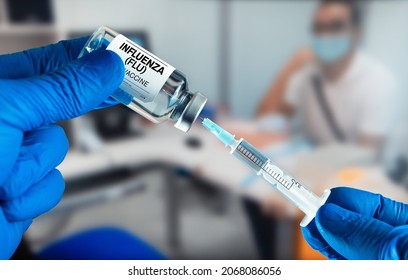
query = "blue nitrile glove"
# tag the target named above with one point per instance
(37, 88)
(355, 224)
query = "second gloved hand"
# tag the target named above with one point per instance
(355, 224)
(37, 88)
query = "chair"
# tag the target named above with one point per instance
(107, 243)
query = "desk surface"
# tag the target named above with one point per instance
(213, 162)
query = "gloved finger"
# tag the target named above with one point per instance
(10, 235)
(352, 235)
(371, 205)
(107, 103)
(396, 244)
(73, 90)
(10, 142)
(39, 61)
(317, 242)
(38, 199)
(42, 150)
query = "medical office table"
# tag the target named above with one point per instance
(165, 148)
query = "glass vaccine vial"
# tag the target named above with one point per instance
(151, 87)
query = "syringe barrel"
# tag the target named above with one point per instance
(248, 154)
(294, 191)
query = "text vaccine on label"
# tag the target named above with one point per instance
(151, 87)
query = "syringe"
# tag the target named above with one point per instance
(288, 186)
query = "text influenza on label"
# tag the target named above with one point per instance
(142, 58)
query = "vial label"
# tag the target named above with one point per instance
(145, 73)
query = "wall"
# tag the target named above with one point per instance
(387, 39)
(265, 33)
(182, 32)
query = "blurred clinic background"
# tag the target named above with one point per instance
(321, 90)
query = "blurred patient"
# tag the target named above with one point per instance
(338, 93)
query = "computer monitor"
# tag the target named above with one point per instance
(28, 11)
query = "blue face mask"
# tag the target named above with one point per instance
(330, 49)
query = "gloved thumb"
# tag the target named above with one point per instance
(352, 235)
(74, 89)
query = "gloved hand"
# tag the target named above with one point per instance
(37, 88)
(355, 224)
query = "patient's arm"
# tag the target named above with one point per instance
(274, 101)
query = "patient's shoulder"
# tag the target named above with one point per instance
(303, 75)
